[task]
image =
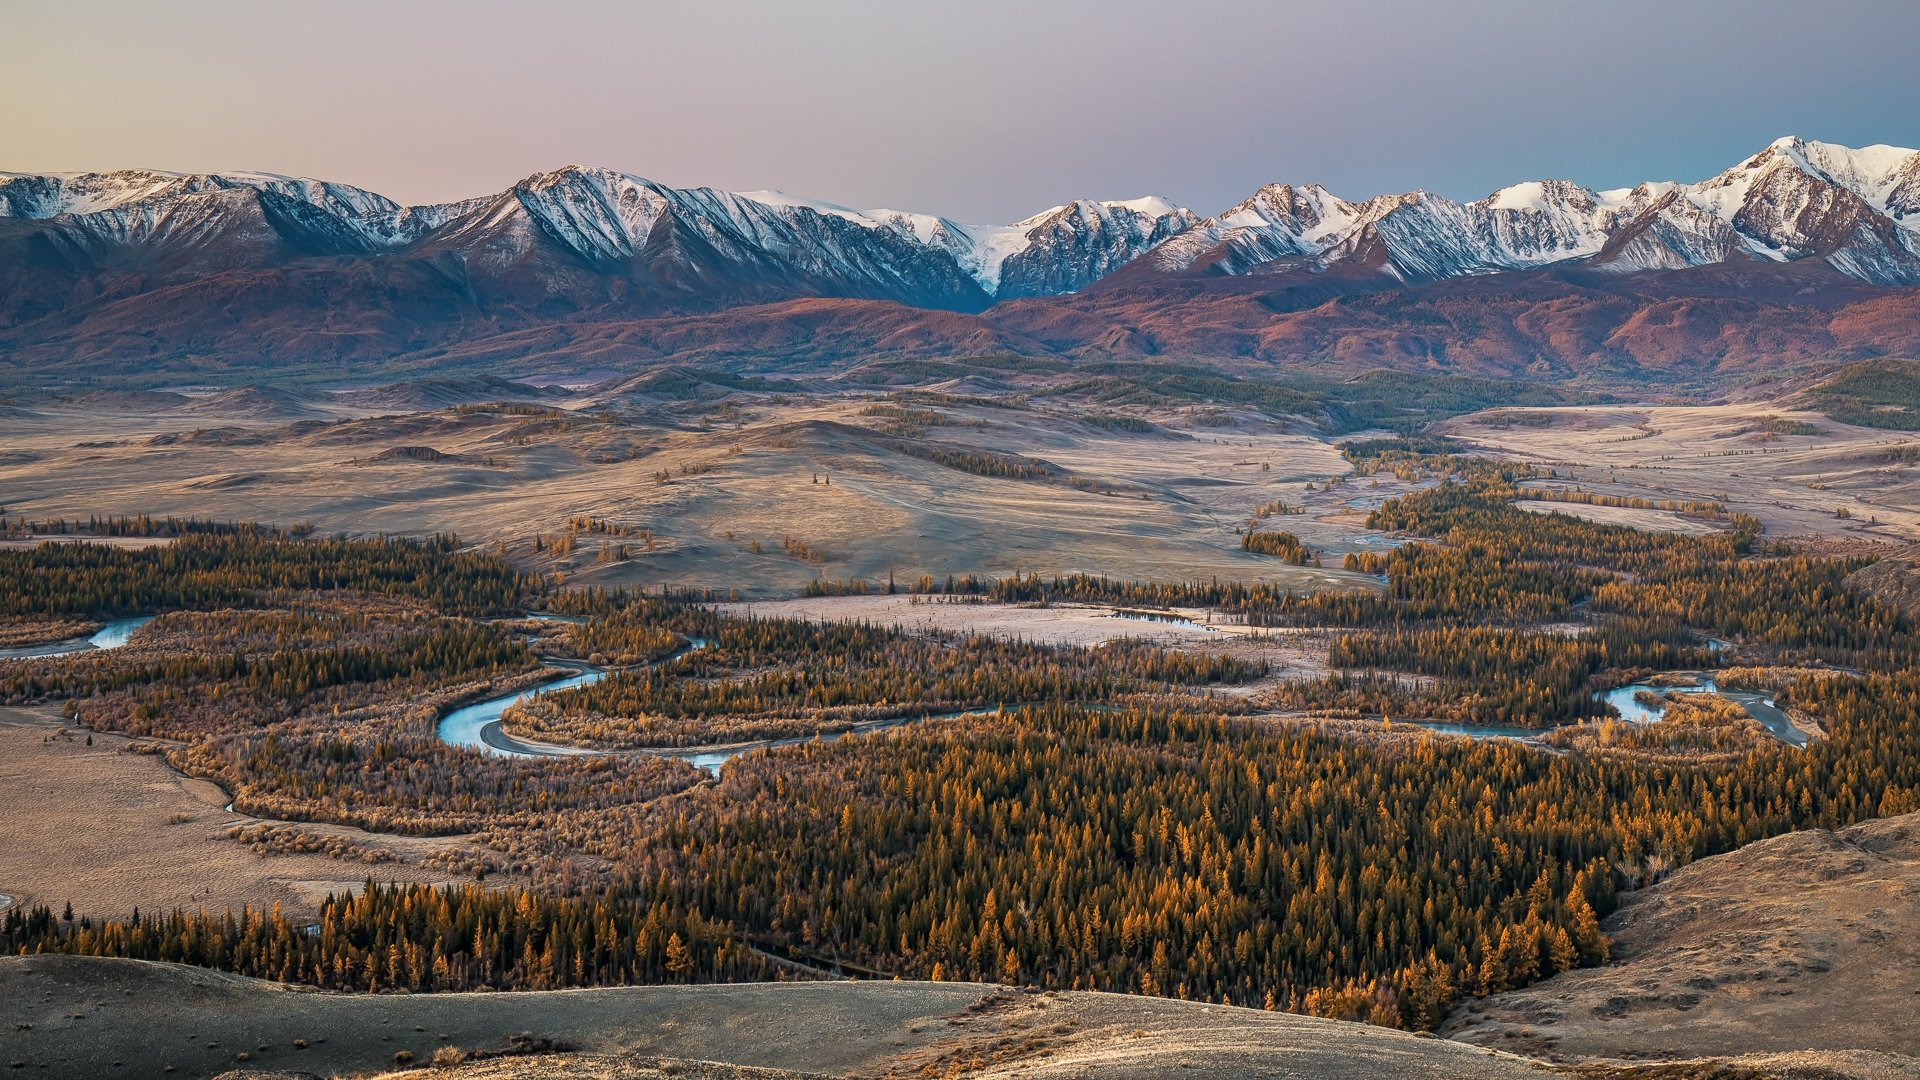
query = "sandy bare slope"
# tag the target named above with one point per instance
(1895, 579)
(1811, 939)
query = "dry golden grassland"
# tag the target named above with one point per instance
(110, 829)
(1797, 485)
(764, 499)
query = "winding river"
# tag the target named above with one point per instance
(477, 726)
(111, 636)
(1759, 705)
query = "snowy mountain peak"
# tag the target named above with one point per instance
(1857, 209)
(1886, 177)
(1153, 206)
(1543, 196)
(1066, 248)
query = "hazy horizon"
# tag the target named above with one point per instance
(947, 111)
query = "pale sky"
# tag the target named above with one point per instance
(982, 110)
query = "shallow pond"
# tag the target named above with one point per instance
(1172, 618)
(1475, 732)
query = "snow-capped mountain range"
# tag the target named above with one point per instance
(1856, 209)
(580, 218)
(1793, 200)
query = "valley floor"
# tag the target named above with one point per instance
(1799, 947)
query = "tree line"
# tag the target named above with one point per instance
(228, 568)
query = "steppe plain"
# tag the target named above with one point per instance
(857, 484)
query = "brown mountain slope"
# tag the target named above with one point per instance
(802, 333)
(1707, 325)
(1704, 328)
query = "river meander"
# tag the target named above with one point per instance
(111, 636)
